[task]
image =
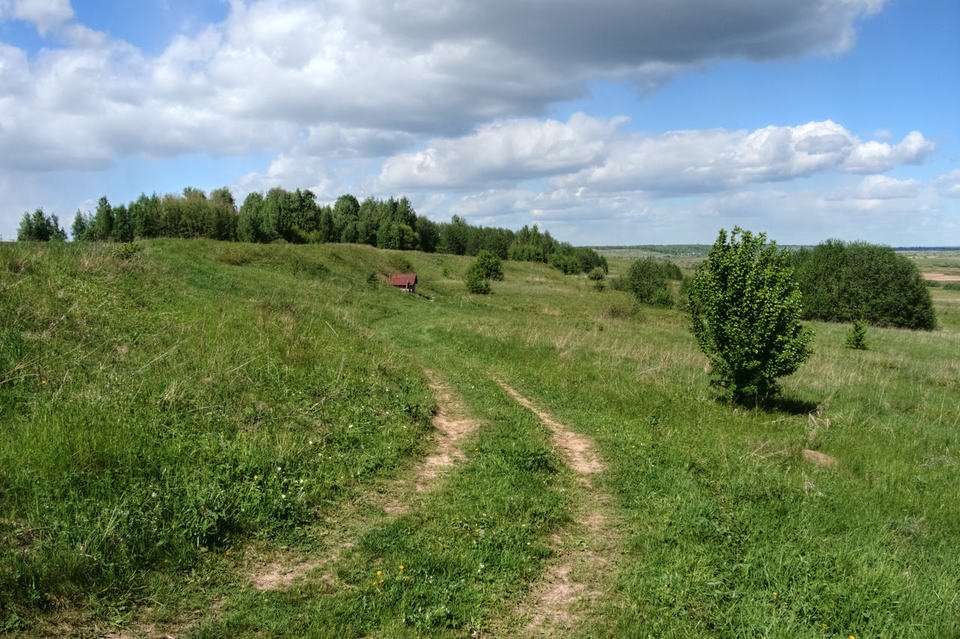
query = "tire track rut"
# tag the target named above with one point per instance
(586, 552)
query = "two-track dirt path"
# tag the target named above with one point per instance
(453, 425)
(585, 551)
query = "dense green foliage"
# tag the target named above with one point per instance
(745, 309)
(484, 268)
(648, 278)
(40, 227)
(842, 282)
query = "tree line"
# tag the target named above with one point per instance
(297, 217)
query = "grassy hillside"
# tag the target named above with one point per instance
(176, 415)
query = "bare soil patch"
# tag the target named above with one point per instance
(820, 459)
(941, 277)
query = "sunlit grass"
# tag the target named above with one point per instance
(221, 376)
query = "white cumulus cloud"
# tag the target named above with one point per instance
(699, 161)
(43, 14)
(877, 157)
(504, 151)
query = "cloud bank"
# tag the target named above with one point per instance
(448, 100)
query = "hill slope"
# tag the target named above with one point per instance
(176, 415)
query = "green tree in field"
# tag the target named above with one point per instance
(484, 268)
(80, 225)
(476, 282)
(101, 227)
(842, 282)
(647, 280)
(745, 314)
(489, 265)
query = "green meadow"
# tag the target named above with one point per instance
(179, 418)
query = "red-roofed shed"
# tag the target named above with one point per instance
(405, 281)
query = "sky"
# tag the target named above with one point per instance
(609, 122)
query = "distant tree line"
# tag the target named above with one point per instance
(297, 217)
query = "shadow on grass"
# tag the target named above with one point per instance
(791, 405)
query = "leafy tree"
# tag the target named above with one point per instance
(122, 225)
(146, 215)
(222, 216)
(454, 236)
(250, 219)
(80, 225)
(429, 234)
(844, 282)
(346, 216)
(40, 227)
(745, 308)
(532, 245)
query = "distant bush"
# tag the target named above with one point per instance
(647, 279)
(476, 282)
(489, 265)
(843, 282)
(597, 274)
(952, 286)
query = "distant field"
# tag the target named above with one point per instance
(207, 439)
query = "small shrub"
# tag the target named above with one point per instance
(857, 336)
(476, 282)
(597, 274)
(127, 250)
(952, 286)
(401, 263)
(489, 265)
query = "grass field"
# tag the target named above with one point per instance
(182, 419)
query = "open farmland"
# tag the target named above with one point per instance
(223, 440)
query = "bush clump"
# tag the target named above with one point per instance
(843, 282)
(648, 280)
(489, 266)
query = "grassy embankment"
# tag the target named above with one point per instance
(173, 414)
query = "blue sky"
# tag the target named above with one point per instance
(610, 122)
